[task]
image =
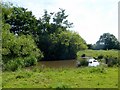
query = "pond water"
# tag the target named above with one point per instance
(57, 64)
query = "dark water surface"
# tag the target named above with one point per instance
(57, 64)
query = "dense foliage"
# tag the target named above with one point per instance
(107, 41)
(50, 32)
(18, 51)
(55, 39)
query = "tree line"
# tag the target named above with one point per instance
(26, 40)
(106, 41)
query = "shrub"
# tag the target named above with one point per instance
(100, 57)
(18, 51)
(13, 65)
(30, 61)
(83, 62)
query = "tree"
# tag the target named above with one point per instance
(60, 19)
(90, 46)
(107, 41)
(21, 20)
(51, 33)
(55, 40)
(18, 51)
(65, 45)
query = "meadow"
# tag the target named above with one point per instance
(83, 77)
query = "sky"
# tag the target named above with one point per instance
(91, 18)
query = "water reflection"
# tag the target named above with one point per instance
(57, 64)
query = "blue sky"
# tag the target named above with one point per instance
(91, 18)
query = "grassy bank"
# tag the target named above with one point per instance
(98, 53)
(84, 77)
(110, 57)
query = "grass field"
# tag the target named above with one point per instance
(84, 77)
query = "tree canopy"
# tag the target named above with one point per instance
(107, 41)
(50, 32)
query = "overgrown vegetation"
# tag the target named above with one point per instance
(18, 51)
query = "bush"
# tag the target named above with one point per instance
(18, 51)
(30, 61)
(13, 65)
(112, 61)
(83, 62)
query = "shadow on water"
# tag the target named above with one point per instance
(55, 64)
(58, 64)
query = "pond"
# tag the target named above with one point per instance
(57, 64)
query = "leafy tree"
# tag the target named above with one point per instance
(64, 45)
(60, 19)
(50, 33)
(107, 41)
(72, 43)
(18, 50)
(21, 20)
(6, 10)
(55, 40)
(90, 46)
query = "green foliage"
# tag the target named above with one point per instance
(15, 48)
(109, 57)
(14, 64)
(6, 10)
(60, 19)
(31, 60)
(21, 21)
(52, 38)
(55, 40)
(63, 45)
(83, 61)
(107, 41)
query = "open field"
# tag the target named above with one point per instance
(84, 77)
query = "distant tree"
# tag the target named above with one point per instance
(107, 41)
(90, 46)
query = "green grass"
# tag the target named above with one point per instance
(109, 56)
(96, 53)
(84, 77)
